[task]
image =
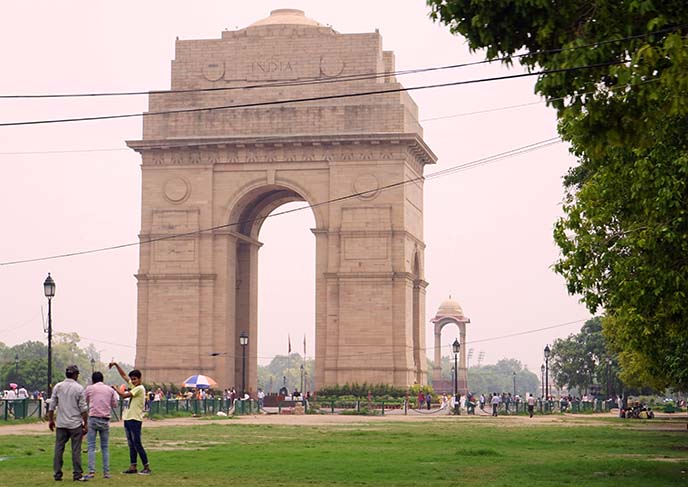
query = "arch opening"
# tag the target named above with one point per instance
(274, 299)
(286, 298)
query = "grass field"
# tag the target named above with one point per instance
(588, 451)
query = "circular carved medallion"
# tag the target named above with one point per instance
(176, 190)
(214, 71)
(367, 185)
(331, 67)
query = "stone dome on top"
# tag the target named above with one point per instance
(450, 307)
(287, 16)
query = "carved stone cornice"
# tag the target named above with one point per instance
(175, 277)
(339, 148)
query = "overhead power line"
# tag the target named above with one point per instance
(312, 98)
(346, 78)
(381, 349)
(445, 172)
(171, 144)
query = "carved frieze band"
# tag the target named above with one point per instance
(270, 153)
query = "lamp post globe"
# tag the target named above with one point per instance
(49, 291)
(243, 341)
(456, 348)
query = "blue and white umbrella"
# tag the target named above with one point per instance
(200, 382)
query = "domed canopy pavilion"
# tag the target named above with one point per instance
(450, 312)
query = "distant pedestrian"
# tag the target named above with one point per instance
(72, 422)
(421, 399)
(482, 402)
(495, 403)
(428, 400)
(101, 399)
(531, 405)
(261, 399)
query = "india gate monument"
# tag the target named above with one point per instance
(254, 119)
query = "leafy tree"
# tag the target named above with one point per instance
(500, 378)
(494, 378)
(621, 95)
(286, 370)
(584, 359)
(31, 369)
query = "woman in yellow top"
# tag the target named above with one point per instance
(133, 418)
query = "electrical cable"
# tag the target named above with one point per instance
(173, 145)
(351, 77)
(444, 172)
(378, 347)
(312, 98)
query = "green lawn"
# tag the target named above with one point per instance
(442, 451)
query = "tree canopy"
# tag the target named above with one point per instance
(584, 359)
(26, 364)
(624, 234)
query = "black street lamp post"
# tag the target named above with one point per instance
(16, 365)
(456, 347)
(514, 375)
(547, 354)
(542, 381)
(609, 378)
(243, 341)
(93, 365)
(301, 390)
(49, 291)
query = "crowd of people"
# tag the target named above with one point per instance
(19, 392)
(75, 412)
(506, 403)
(635, 410)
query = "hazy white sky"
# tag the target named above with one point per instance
(488, 230)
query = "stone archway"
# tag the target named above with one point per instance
(451, 313)
(227, 169)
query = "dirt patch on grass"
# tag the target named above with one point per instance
(671, 423)
(157, 445)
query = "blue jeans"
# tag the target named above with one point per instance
(133, 430)
(102, 426)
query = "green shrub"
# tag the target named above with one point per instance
(378, 392)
